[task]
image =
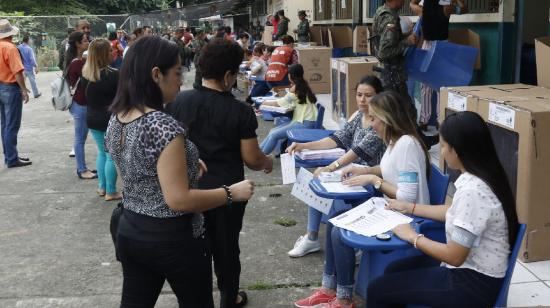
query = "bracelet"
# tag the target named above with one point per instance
(414, 206)
(416, 239)
(229, 196)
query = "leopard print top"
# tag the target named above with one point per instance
(135, 148)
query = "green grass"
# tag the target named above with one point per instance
(285, 222)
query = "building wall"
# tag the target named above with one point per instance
(291, 8)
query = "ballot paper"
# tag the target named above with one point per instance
(370, 218)
(274, 109)
(321, 154)
(302, 191)
(288, 168)
(338, 187)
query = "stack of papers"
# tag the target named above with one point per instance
(274, 109)
(370, 218)
(338, 187)
(321, 154)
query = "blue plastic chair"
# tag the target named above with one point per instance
(438, 185)
(373, 264)
(502, 298)
(303, 135)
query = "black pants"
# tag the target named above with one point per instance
(185, 262)
(421, 281)
(223, 226)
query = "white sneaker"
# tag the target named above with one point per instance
(71, 154)
(303, 246)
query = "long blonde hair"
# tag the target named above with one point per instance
(99, 57)
(390, 108)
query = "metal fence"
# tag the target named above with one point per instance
(47, 32)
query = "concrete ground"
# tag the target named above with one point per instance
(55, 246)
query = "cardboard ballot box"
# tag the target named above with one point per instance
(361, 43)
(518, 117)
(542, 49)
(335, 83)
(316, 63)
(350, 72)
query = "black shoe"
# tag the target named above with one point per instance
(23, 158)
(83, 178)
(244, 299)
(38, 95)
(20, 163)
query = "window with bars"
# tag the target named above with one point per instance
(474, 7)
(259, 8)
(323, 9)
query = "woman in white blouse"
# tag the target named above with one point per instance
(480, 226)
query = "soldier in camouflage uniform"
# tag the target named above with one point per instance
(303, 28)
(389, 44)
(198, 43)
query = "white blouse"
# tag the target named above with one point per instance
(476, 209)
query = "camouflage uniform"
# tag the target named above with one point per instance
(303, 31)
(197, 45)
(389, 44)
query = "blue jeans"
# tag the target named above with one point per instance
(313, 219)
(32, 81)
(80, 134)
(339, 262)
(260, 88)
(421, 281)
(106, 170)
(279, 133)
(11, 110)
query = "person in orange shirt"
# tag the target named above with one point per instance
(13, 92)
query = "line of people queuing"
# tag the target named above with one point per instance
(179, 155)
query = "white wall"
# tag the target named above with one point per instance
(291, 8)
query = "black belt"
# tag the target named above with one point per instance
(9, 83)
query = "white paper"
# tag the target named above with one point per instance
(274, 109)
(370, 218)
(302, 192)
(502, 115)
(343, 4)
(457, 102)
(288, 168)
(321, 154)
(320, 6)
(332, 187)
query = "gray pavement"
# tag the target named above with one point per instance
(55, 246)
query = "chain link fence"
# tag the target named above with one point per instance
(47, 32)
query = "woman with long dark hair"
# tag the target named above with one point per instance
(363, 146)
(161, 234)
(481, 227)
(301, 100)
(78, 43)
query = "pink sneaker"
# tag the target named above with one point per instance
(315, 300)
(334, 303)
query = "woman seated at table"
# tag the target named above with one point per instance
(301, 100)
(363, 146)
(402, 174)
(481, 226)
(258, 68)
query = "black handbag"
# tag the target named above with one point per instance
(115, 218)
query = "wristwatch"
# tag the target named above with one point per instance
(378, 184)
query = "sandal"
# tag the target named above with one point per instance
(101, 192)
(94, 176)
(113, 197)
(244, 299)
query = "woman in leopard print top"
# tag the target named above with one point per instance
(160, 233)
